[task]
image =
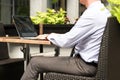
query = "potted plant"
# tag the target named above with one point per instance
(52, 21)
(114, 7)
(50, 17)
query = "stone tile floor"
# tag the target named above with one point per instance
(14, 50)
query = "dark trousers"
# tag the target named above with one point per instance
(69, 65)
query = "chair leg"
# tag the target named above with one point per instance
(41, 76)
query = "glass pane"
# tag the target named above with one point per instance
(21, 7)
(81, 8)
(5, 11)
(8, 8)
(57, 4)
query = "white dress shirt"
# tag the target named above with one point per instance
(86, 34)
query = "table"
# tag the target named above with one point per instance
(25, 43)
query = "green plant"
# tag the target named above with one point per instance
(114, 7)
(50, 17)
(54, 1)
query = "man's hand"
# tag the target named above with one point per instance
(43, 36)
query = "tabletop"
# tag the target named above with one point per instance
(26, 41)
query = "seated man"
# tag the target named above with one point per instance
(85, 35)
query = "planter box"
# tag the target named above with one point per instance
(47, 28)
(10, 30)
(56, 28)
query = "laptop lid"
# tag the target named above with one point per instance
(24, 26)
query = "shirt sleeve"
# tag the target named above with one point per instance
(79, 31)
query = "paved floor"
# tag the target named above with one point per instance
(14, 50)
(49, 51)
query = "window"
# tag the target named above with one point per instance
(81, 8)
(21, 7)
(8, 8)
(57, 4)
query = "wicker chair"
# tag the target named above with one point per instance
(109, 47)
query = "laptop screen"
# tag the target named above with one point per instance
(24, 26)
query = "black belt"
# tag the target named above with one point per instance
(92, 63)
(89, 63)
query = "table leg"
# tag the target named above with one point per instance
(26, 50)
(57, 51)
(41, 48)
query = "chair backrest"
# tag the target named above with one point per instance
(108, 65)
(114, 50)
(3, 46)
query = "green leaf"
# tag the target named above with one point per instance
(114, 7)
(54, 1)
(50, 17)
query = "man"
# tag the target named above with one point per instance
(85, 35)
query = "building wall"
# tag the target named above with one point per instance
(41, 5)
(37, 5)
(8, 8)
(6, 11)
(72, 10)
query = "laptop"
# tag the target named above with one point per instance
(25, 27)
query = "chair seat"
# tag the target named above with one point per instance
(60, 76)
(10, 61)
